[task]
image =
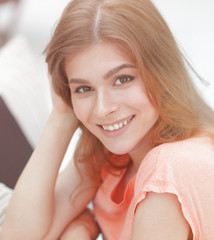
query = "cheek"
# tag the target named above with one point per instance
(137, 98)
(81, 110)
(149, 113)
(143, 104)
(77, 109)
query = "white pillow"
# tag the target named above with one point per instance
(24, 88)
(5, 195)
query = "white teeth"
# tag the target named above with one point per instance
(116, 126)
(111, 128)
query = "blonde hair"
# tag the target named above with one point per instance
(138, 28)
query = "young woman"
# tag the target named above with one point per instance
(146, 155)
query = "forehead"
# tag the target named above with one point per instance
(101, 56)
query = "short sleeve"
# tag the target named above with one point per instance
(185, 169)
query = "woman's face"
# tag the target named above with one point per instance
(109, 97)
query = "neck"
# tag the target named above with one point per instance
(139, 152)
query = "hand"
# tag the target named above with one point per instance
(84, 227)
(61, 108)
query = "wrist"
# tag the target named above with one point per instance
(63, 122)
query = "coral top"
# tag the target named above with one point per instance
(184, 168)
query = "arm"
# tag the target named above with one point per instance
(159, 217)
(32, 210)
(68, 205)
(83, 227)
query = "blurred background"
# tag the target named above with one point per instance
(25, 30)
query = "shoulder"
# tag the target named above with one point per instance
(198, 150)
(179, 174)
(190, 155)
(159, 216)
(195, 146)
(176, 163)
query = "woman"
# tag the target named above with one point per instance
(145, 156)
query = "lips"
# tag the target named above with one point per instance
(116, 126)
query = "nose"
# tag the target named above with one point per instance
(106, 104)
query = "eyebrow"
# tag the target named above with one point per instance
(117, 69)
(78, 80)
(109, 74)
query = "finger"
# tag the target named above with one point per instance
(84, 227)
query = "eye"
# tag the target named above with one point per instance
(123, 80)
(83, 89)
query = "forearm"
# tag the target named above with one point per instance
(84, 227)
(31, 208)
(72, 195)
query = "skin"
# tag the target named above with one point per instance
(159, 217)
(106, 88)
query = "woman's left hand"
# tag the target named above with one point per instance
(83, 227)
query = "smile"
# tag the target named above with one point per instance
(117, 126)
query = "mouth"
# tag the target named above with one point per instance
(117, 127)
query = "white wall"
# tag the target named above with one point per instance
(192, 22)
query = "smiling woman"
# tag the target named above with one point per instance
(145, 155)
(109, 98)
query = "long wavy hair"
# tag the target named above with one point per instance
(137, 27)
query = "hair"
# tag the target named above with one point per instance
(137, 27)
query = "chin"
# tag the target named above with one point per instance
(119, 149)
